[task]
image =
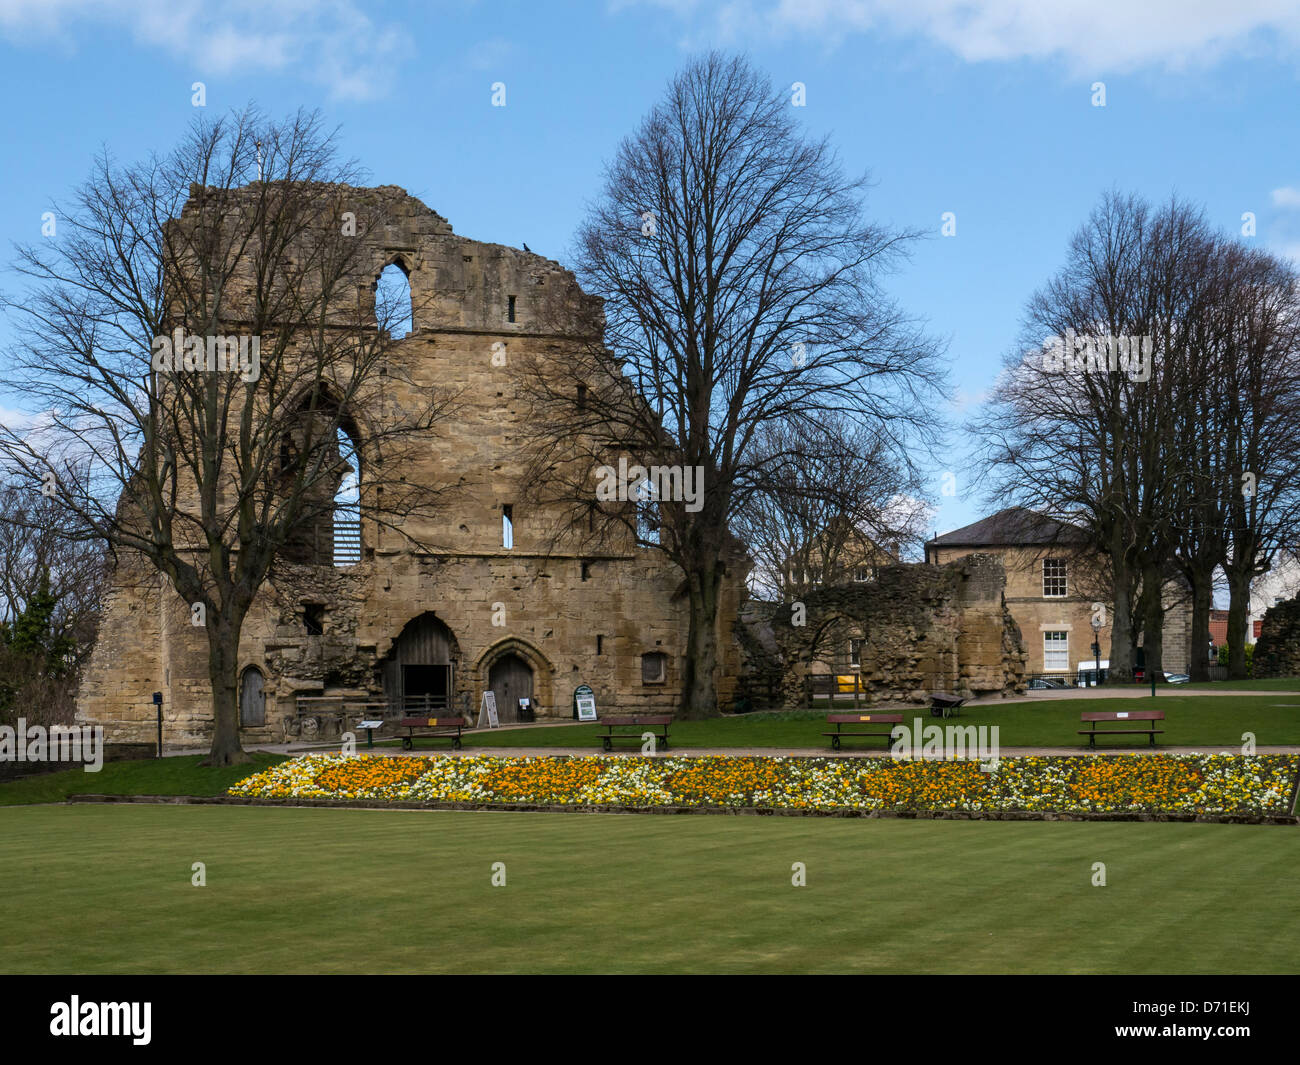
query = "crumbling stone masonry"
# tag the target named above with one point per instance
(1277, 651)
(916, 628)
(525, 621)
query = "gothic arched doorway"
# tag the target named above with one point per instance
(511, 678)
(419, 672)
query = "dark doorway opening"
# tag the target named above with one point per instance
(426, 686)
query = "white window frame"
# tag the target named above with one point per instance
(1063, 576)
(1056, 642)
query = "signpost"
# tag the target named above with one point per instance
(489, 708)
(157, 701)
(370, 727)
(584, 703)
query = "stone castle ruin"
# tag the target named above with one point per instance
(355, 621)
(353, 616)
(916, 628)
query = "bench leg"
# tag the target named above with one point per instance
(835, 743)
(605, 743)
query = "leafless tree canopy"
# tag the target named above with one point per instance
(833, 501)
(743, 289)
(1176, 467)
(194, 342)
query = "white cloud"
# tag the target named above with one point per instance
(1286, 197)
(331, 43)
(1086, 36)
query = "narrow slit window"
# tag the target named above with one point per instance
(510, 308)
(600, 645)
(507, 526)
(586, 570)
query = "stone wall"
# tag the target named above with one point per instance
(574, 616)
(1277, 651)
(921, 628)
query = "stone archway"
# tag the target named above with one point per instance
(419, 672)
(511, 678)
(510, 665)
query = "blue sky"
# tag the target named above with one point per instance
(983, 108)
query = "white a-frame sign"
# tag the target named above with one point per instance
(489, 710)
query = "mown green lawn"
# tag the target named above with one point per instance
(108, 890)
(150, 776)
(1212, 721)
(1272, 684)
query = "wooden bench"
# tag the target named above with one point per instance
(635, 720)
(445, 724)
(1095, 717)
(839, 720)
(945, 704)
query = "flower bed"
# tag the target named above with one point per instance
(1178, 783)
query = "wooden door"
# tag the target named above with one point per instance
(252, 701)
(512, 679)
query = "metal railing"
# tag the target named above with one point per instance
(347, 542)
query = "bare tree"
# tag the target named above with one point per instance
(1094, 438)
(196, 337)
(741, 287)
(51, 581)
(831, 500)
(40, 537)
(1184, 462)
(1261, 438)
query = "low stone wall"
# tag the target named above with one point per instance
(1277, 651)
(921, 628)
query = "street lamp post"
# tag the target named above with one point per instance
(1096, 647)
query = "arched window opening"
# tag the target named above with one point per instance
(347, 503)
(393, 301)
(321, 447)
(646, 499)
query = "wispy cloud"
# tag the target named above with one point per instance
(1086, 36)
(333, 43)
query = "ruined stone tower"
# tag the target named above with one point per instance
(373, 621)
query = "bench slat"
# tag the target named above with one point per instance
(1129, 715)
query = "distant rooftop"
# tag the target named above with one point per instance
(1010, 528)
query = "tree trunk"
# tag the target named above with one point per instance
(1153, 625)
(1238, 618)
(223, 672)
(1121, 656)
(1202, 602)
(699, 687)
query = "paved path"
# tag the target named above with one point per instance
(875, 751)
(698, 752)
